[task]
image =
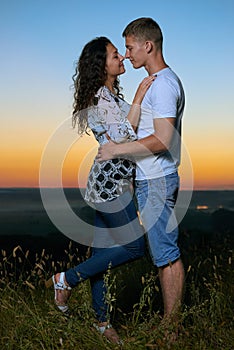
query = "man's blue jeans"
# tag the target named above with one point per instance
(124, 235)
(156, 202)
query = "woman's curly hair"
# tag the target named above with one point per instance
(89, 76)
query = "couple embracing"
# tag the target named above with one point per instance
(139, 148)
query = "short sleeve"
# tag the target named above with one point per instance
(163, 99)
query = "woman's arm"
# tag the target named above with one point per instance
(135, 110)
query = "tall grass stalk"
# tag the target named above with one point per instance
(29, 319)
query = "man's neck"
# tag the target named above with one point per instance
(152, 69)
(155, 63)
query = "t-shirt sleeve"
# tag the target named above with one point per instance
(163, 99)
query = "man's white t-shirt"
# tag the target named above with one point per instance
(164, 99)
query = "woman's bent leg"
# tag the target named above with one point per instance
(103, 258)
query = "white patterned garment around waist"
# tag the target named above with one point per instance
(108, 179)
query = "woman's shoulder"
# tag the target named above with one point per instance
(104, 93)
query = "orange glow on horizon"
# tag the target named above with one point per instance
(78, 162)
(20, 166)
(20, 170)
(213, 170)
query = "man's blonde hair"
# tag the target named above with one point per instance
(145, 29)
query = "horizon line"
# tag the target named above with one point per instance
(72, 187)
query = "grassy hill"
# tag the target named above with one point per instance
(32, 249)
(29, 319)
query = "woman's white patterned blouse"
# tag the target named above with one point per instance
(108, 179)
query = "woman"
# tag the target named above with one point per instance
(99, 106)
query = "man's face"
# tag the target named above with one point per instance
(135, 51)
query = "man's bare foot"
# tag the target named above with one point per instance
(108, 331)
(170, 329)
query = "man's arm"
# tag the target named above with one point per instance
(158, 142)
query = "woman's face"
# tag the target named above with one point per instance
(114, 62)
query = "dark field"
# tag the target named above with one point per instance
(32, 248)
(24, 221)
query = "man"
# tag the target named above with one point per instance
(157, 154)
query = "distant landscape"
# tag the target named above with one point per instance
(24, 221)
(22, 210)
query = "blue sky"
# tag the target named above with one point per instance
(41, 40)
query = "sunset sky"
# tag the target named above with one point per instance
(42, 40)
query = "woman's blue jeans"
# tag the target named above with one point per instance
(123, 240)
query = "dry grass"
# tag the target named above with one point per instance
(29, 319)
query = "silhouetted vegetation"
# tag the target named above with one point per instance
(29, 319)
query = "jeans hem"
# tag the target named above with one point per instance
(166, 261)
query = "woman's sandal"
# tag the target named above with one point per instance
(62, 291)
(109, 332)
